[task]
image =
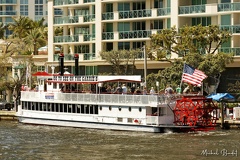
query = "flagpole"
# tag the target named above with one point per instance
(182, 75)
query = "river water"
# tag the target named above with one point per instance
(34, 142)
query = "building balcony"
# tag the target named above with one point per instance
(135, 14)
(231, 28)
(67, 57)
(65, 2)
(88, 1)
(80, 38)
(127, 34)
(108, 16)
(89, 18)
(193, 9)
(8, 13)
(67, 38)
(70, 57)
(163, 11)
(67, 19)
(107, 35)
(226, 7)
(8, 2)
(234, 50)
(134, 34)
(89, 56)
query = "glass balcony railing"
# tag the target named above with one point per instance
(89, 56)
(163, 11)
(68, 38)
(8, 13)
(64, 2)
(88, 37)
(89, 18)
(235, 50)
(108, 16)
(67, 57)
(135, 14)
(88, 1)
(228, 7)
(57, 13)
(8, 1)
(192, 9)
(134, 34)
(231, 28)
(107, 35)
(67, 19)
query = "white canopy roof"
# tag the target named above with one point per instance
(132, 78)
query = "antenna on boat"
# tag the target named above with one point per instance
(145, 66)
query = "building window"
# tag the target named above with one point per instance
(39, 10)
(40, 68)
(123, 45)
(123, 6)
(158, 24)
(23, 1)
(81, 49)
(38, 1)
(24, 10)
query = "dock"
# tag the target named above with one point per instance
(229, 123)
(8, 115)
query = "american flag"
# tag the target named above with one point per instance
(193, 76)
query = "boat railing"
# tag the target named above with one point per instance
(152, 100)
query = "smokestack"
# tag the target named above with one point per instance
(76, 58)
(61, 63)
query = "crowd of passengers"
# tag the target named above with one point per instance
(124, 89)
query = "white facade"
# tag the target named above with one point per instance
(91, 26)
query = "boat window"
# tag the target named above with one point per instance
(140, 109)
(120, 119)
(110, 108)
(119, 108)
(130, 109)
(100, 108)
(129, 120)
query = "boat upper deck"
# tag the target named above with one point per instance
(97, 99)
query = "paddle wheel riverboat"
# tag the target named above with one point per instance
(51, 105)
(62, 101)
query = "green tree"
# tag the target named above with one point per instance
(197, 46)
(122, 61)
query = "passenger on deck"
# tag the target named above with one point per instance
(133, 89)
(137, 91)
(152, 91)
(109, 89)
(124, 89)
(118, 90)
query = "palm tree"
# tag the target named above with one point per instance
(20, 26)
(34, 39)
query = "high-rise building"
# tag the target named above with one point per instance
(91, 26)
(34, 9)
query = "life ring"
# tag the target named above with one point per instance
(135, 120)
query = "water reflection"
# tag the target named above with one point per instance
(28, 142)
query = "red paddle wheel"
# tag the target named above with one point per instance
(196, 111)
